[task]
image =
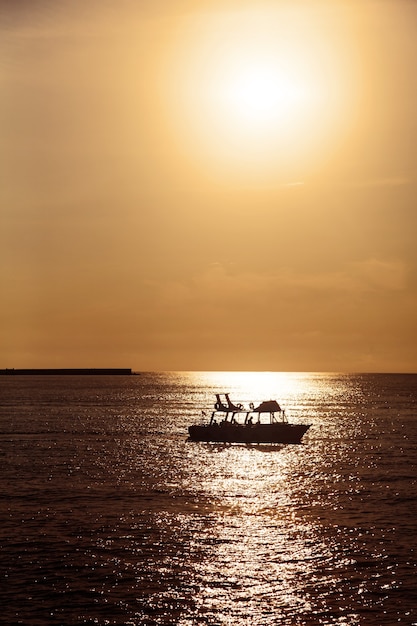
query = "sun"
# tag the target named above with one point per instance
(258, 92)
(261, 94)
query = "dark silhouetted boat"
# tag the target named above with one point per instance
(232, 423)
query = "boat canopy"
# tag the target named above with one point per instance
(269, 406)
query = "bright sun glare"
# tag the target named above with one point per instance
(259, 94)
(258, 90)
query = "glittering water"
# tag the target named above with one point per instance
(108, 515)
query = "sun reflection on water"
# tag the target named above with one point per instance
(267, 552)
(257, 540)
(256, 385)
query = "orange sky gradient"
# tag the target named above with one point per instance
(208, 185)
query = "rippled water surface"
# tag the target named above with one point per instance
(108, 515)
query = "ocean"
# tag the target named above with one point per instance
(109, 515)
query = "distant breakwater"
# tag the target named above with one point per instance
(89, 371)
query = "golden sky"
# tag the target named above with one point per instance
(208, 185)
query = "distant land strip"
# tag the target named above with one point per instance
(86, 371)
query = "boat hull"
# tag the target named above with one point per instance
(244, 433)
